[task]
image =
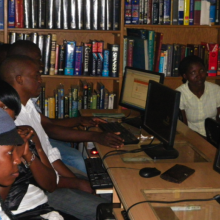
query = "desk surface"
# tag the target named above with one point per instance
(129, 185)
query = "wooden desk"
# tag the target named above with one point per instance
(129, 185)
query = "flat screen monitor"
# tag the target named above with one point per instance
(160, 119)
(135, 87)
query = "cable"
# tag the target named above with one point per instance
(216, 197)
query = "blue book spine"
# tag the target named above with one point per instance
(78, 61)
(74, 108)
(105, 71)
(1, 14)
(181, 12)
(70, 55)
(161, 64)
(166, 12)
(127, 11)
(212, 14)
(62, 103)
(191, 12)
(11, 13)
(135, 12)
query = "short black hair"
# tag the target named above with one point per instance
(10, 97)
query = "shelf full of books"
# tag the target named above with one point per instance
(171, 12)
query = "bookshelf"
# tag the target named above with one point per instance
(171, 34)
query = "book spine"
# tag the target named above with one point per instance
(109, 14)
(94, 101)
(135, 12)
(155, 12)
(186, 12)
(1, 14)
(19, 14)
(70, 55)
(85, 96)
(101, 15)
(111, 101)
(213, 59)
(106, 98)
(130, 49)
(218, 63)
(105, 71)
(151, 35)
(161, 6)
(61, 60)
(166, 15)
(78, 61)
(70, 99)
(161, 62)
(176, 59)
(175, 13)
(34, 15)
(141, 12)
(61, 101)
(57, 59)
(145, 11)
(94, 58)
(181, 12)
(11, 13)
(116, 15)
(58, 14)
(212, 14)
(75, 101)
(65, 13)
(51, 107)
(205, 13)
(169, 60)
(49, 14)
(125, 52)
(34, 37)
(12, 37)
(46, 113)
(42, 99)
(90, 87)
(47, 54)
(79, 14)
(217, 11)
(53, 54)
(159, 40)
(100, 46)
(66, 106)
(87, 15)
(113, 60)
(95, 15)
(19, 36)
(41, 13)
(87, 50)
(197, 12)
(149, 11)
(98, 99)
(191, 12)
(127, 12)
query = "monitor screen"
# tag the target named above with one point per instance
(135, 87)
(160, 120)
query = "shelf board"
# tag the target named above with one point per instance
(80, 77)
(170, 26)
(179, 77)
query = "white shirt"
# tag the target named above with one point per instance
(30, 116)
(198, 109)
(3, 216)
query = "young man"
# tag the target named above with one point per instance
(74, 196)
(55, 128)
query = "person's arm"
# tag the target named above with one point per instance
(184, 117)
(218, 114)
(68, 179)
(42, 170)
(65, 133)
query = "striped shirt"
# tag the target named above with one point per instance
(198, 109)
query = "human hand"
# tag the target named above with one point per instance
(84, 185)
(109, 139)
(91, 121)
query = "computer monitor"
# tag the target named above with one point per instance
(160, 120)
(134, 91)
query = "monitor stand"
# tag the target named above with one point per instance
(158, 152)
(136, 122)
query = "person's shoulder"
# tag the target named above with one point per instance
(212, 85)
(182, 88)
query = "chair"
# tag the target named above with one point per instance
(212, 128)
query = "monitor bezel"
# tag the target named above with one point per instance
(168, 144)
(123, 84)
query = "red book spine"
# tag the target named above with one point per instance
(213, 59)
(130, 52)
(19, 13)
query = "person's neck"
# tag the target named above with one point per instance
(198, 91)
(4, 191)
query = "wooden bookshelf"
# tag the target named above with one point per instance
(171, 34)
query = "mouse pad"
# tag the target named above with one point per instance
(177, 174)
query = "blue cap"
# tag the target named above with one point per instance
(8, 131)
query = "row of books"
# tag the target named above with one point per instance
(172, 12)
(88, 59)
(82, 96)
(172, 54)
(65, 14)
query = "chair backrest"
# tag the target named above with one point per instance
(212, 128)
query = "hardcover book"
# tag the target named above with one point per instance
(176, 59)
(101, 15)
(158, 44)
(130, 48)
(149, 11)
(27, 36)
(141, 11)
(87, 15)
(213, 59)
(61, 60)
(205, 12)
(111, 101)
(78, 60)
(128, 11)
(65, 13)
(169, 59)
(34, 37)
(101, 88)
(19, 13)
(79, 14)
(66, 106)
(12, 37)
(135, 11)
(93, 105)
(58, 14)
(47, 50)
(42, 13)
(84, 87)
(100, 46)
(197, 12)
(166, 12)
(113, 59)
(1, 14)
(90, 90)
(61, 101)
(53, 54)
(161, 3)
(125, 52)
(11, 13)
(109, 14)
(57, 59)
(186, 12)
(72, 22)
(217, 11)
(51, 107)
(94, 58)
(49, 14)
(191, 12)
(155, 12)
(75, 101)
(180, 12)
(70, 55)
(34, 13)
(95, 15)
(145, 11)
(116, 14)
(106, 98)
(175, 13)
(105, 70)
(87, 53)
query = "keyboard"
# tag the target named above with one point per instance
(125, 134)
(97, 174)
(136, 122)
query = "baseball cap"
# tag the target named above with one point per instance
(8, 131)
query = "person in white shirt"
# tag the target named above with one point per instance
(199, 99)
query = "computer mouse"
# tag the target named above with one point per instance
(94, 151)
(148, 172)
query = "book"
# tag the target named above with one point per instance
(149, 11)
(84, 87)
(197, 12)
(11, 13)
(141, 12)
(212, 12)
(78, 60)
(19, 13)
(180, 12)
(127, 18)
(135, 12)
(155, 12)
(47, 50)
(19, 36)
(53, 54)
(70, 58)
(72, 17)
(61, 101)
(150, 40)
(34, 37)
(87, 15)
(204, 16)
(116, 14)
(130, 48)
(175, 13)
(141, 33)
(49, 14)
(58, 14)
(109, 14)
(169, 59)
(176, 59)
(27, 36)
(157, 52)
(97, 93)
(95, 15)
(191, 12)
(93, 104)
(79, 14)
(42, 13)
(161, 3)
(51, 107)
(2, 14)
(57, 59)
(66, 106)
(166, 12)
(101, 15)
(75, 101)
(34, 13)
(125, 51)
(186, 12)
(218, 62)
(101, 88)
(90, 90)
(46, 113)
(100, 45)
(213, 59)
(111, 101)
(87, 53)
(61, 60)
(12, 37)
(113, 59)
(105, 70)
(106, 98)
(70, 102)
(66, 12)
(217, 11)
(94, 57)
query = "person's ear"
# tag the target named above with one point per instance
(184, 76)
(19, 79)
